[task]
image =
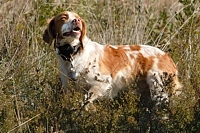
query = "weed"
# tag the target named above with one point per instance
(31, 96)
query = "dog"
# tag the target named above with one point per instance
(108, 68)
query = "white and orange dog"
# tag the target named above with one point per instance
(107, 68)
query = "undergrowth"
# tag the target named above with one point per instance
(30, 90)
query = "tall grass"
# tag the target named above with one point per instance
(30, 90)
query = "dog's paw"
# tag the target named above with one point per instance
(90, 107)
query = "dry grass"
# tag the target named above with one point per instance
(30, 95)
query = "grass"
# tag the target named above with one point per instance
(30, 90)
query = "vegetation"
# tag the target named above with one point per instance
(30, 90)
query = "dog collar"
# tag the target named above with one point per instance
(66, 51)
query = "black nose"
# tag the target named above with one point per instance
(76, 20)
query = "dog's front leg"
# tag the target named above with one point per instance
(64, 68)
(157, 90)
(63, 77)
(94, 93)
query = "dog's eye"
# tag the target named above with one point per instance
(63, 18)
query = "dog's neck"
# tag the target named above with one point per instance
(63, 48)
(72, 42)
(67, 50)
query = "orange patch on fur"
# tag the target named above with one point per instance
(143, 65)
(132, 56)
(166, 64)
(113, 61)
(135, 47)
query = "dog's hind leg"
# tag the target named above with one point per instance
(159, 95)
(157, 90)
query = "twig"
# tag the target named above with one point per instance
(23, 123)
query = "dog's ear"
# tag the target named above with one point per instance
(83, 32)
(49, 33)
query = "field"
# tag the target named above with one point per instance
(31, 98)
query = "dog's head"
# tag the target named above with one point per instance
(67, 28)
(68, 31)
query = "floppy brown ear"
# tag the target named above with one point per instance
(83, 32)
(49, 33)
(47, 37)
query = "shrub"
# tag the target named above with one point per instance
(30, 90)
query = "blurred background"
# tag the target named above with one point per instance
(30, 90)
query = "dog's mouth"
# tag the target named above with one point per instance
(74, 31)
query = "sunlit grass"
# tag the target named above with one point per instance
(30, 90)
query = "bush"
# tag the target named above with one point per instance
(30, 90)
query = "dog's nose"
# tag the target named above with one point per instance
(76, 20)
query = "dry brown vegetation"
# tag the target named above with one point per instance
(30, 95)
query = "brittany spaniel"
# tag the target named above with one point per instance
(107, 68)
